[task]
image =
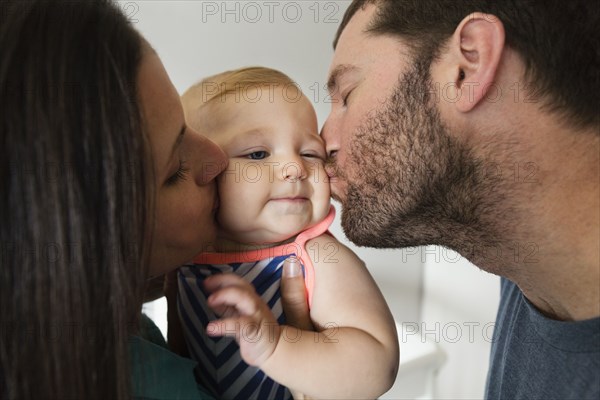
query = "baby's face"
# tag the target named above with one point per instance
(275, 185)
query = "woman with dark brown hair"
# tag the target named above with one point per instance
(102, 187)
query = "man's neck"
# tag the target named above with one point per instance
(565, 283)
(556, 262)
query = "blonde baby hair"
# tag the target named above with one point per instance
(235, 82)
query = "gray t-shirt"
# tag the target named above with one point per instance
(534, 357)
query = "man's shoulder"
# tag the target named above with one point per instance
(534, 356)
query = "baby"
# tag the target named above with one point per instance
(274, 203)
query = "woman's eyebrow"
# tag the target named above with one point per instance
(177, 141)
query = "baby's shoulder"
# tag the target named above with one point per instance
(326, 249)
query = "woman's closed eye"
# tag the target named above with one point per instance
(179, 175)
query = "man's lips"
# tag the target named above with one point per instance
(337, 187)
(331, 170)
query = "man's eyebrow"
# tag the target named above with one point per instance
(336, 74)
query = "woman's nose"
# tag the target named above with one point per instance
(210, 159)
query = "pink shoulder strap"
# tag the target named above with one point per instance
(311, 233)
(298, 247)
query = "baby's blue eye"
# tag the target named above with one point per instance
(258, 155)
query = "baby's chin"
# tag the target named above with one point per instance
(280, 236)
(271, 239)
(268, 232)
(255, 240)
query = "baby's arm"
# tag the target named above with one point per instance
(355, 352)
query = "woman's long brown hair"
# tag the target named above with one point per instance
(73, 199)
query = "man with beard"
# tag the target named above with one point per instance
(474, 125)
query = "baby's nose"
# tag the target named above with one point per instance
(294, 170)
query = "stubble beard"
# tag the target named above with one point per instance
(412, 183)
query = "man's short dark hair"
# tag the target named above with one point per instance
(559, 41)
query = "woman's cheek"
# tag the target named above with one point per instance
(181, 217)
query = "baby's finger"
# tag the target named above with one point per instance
(244, 329)
(224, 311)
(224, 327)
(245, 301)
(218, 281)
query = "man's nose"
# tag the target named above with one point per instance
(211, 159)
(331, 138)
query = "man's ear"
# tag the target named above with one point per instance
(476, 49)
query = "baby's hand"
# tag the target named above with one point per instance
(248, 319)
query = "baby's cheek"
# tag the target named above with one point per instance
(227, 217)
(236, 214)
(321, 184)
(322, 201)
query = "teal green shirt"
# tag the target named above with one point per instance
(158, 373)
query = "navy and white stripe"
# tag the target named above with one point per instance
(221, 369)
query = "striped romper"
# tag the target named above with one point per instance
(221, 369)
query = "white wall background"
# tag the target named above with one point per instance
(458, 312)
(197, 38)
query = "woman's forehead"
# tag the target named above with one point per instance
(160, 105)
